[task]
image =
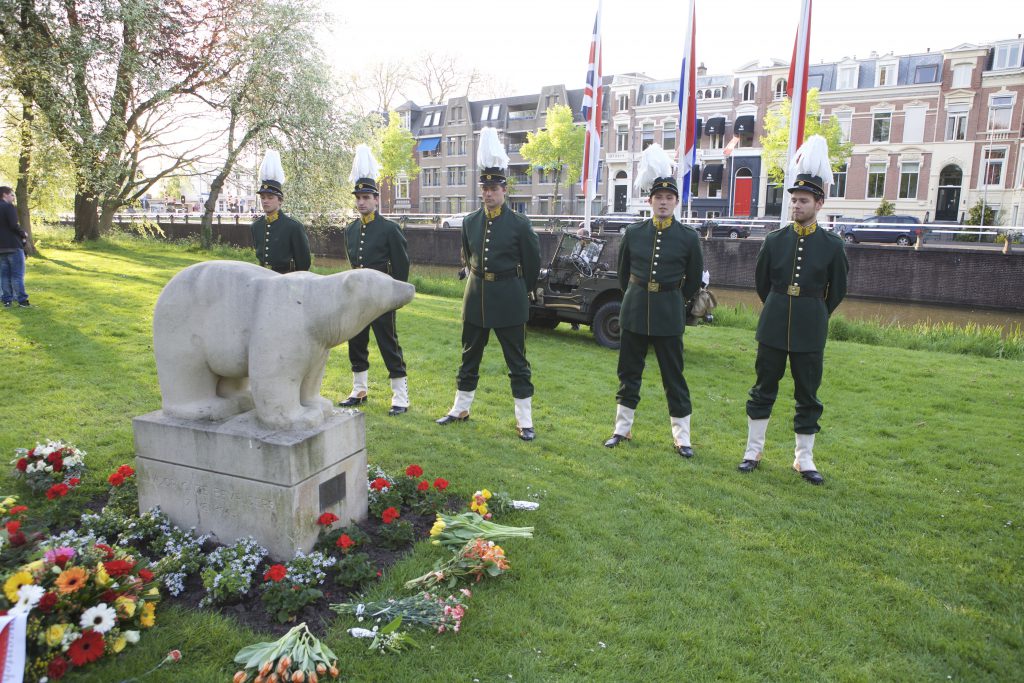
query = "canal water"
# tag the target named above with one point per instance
(889, 312)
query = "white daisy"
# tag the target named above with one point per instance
(131, 636)
(99, 618)
(28, 597)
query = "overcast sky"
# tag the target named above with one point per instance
(531, 43)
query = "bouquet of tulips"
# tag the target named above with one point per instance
(298, 656)
(478, 558)
(455, 531)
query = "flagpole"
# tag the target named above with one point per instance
(592, 139)
(798, 97)
(686, 136)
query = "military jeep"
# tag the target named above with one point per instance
(578, 287)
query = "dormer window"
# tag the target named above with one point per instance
(885, 74)
(847, 77)
(1007, 56)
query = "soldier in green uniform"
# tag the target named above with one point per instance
(660, 267)
(372, 241)
(280, 241)
(801, 277)
(501, 253)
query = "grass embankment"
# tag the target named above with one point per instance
(906, 565)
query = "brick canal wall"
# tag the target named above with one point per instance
(947, 276)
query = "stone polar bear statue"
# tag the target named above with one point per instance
(231, 336)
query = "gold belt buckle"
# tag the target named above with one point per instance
(652, 286)
(793, 290)
(489, 277)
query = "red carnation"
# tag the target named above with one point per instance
(327, 519)
(53, 457)
(413, 471)
(146, 575)
(47, 602)
(17, 539)
(74, 481)
(109, 596)
(22, 464)
(389, 515)
(423, 485)
(86, 648)
(119, 567)
(126, 471)
(379, 484)
(116, 479)
(57, 491)
(344, 542)
(17, 510)
(58, 464)
(276, 573)
(440, 484)
(12, 527)
(106, 549)
(57, 668)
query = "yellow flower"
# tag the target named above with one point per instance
(119, 644)
(438, 527)
(8, 502)
(55, 634)
(11, 586)
(102, 577)
(148, 617)
(125, 607)
(154, 591)
(486, 494)
(33, 566)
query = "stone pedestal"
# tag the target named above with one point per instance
(236, 478)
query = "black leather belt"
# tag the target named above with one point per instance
(384, 267)
(797, 290)
(495, 277)
(656, 286)
(287, 268)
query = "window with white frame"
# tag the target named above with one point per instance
(885, 74)
(847, 77)
(455, 204)
(623, 102)
(909, 171)
(622, 138)
(430, 177)
(962, 75)
(402, 188)
(926, 73)
(659, 97)
(845, 123)
(457, 114)
(995, 159)
(713, 214)
(913, 123)
(748, 92)
(495, 110)
(956, 122)
(405, 119)
(485, 113)
(647, 136)
(717, 141)
(1000, 107)
(780, 89)
(838, 187)
(456, 175)
(668, 135)
(1007, 56)
(876, 180)
(881, 125)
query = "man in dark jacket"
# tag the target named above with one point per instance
(12, 252)
(501, 253)
(660, 267)
(280, 241)
(372, 241)
(801, 277)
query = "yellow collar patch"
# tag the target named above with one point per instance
(805, 230)
(662, 223)
(368, 218)
(271, 217)
(492, 215)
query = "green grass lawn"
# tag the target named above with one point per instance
(908, 565)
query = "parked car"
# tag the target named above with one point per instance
(455, 220)
(901, 230)
(612, 222)
(733, 228)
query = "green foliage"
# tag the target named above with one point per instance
(230, 571)
(284, 599)
(886, 208)
(974, 214)
(355, 570)
(397, 534)
(775, 140)
(51, 181)
(557, 147)
(395, 145)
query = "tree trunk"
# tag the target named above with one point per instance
(206, 224)
(558, 178)
(86, 220)
(107, 211)
(24, 166)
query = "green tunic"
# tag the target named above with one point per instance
(817, 264)
(507, 250)
(283, 245)
(379, 245)
(668, 257)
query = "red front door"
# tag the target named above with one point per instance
(741, 197)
